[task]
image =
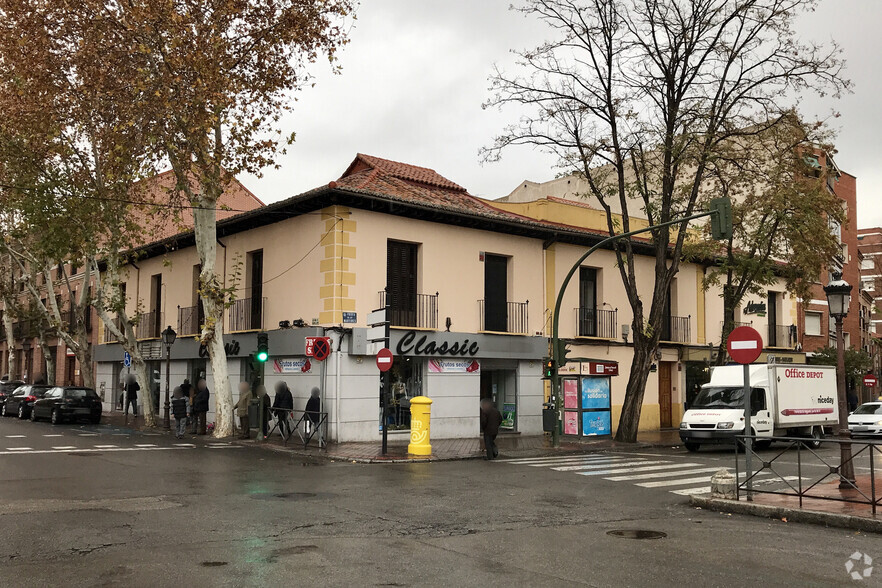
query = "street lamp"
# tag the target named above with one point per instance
(838, 293)
(168, 339)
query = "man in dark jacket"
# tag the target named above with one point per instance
(200, 406)
(132, 388)
(313, 412)
(283, 404)
(179, 410)
(491, 418)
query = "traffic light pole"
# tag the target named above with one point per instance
(555, 322)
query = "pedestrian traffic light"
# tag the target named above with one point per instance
(262, 347)
(721, 220)
(548, 368)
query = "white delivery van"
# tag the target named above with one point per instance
(786, 400)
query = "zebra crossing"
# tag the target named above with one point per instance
(683, 478)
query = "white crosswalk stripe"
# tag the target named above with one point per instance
(680, 478)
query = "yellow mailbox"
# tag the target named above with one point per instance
(420, 415)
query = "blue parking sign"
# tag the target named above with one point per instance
(127, 359)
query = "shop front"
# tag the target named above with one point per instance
(587, 396)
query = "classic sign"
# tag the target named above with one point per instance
(410, 344)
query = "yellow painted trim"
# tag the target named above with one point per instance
(649, 417)
(700, 311)
(550, 282)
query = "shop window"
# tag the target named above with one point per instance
(406, 377)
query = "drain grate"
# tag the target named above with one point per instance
(637, 534)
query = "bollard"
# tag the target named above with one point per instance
(723, 485)
(420, 415)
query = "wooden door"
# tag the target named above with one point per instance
(664, 394)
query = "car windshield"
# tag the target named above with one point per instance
(719, 397)
(869, 409)
(80, 393)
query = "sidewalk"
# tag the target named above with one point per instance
(510, 446)
(818, 510)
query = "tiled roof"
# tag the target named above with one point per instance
(402, 171)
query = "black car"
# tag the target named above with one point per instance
(7, 387)
(61, 404)
(23, 399)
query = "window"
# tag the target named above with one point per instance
(587, 302)
(813, 323)
(495, 293)
(867, 264)
(155, 305)
(255, 281)
(401, 282)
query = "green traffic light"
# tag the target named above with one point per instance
(262, 356)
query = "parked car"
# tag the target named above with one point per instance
(22, 400)
(66, 403)
(7, 387)
(866, 419)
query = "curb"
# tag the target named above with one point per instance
(793, 515)
(321, 454)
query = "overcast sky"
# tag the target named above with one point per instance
(415, 75)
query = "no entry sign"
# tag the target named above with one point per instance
(384, 360)
(744, 345)
(870, 381)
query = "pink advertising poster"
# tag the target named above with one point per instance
(571, 393)
(571, 423)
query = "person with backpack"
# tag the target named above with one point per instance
(200, 406)
(179, 406)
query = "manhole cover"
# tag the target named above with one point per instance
(283, 496)
(637, 534)
(214, 564)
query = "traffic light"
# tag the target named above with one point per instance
(562, 353)
(721, 221)
(548, 368)
(262, 347)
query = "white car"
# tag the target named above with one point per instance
(866, 419)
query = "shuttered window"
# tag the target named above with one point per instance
(401, 281)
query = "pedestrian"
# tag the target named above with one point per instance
(156, 395)
(852, 398)
(283, 404)
(122, 396)
(179, 405)
(200, 406)
(242, 405)
(132, 388)
(313, 410)
(491, 418)
(192, 403)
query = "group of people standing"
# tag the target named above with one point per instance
(189, 404)
(282, 408)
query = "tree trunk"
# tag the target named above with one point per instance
(11, 343)
(50, 359)
(212, 295)
(629, 420)
(728, 325)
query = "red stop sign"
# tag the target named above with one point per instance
(384, 360)
(744, 345)
(870, 381)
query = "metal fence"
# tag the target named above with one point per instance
(517, 319)
(420, 312)
(246, 314)
(596, 322)
(781, 336)
(149, 325)
(107, 336)
(190, 319)
(807, 486)
(677, 329)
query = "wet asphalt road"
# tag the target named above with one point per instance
(98, 506)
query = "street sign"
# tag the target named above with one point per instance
(384, 360)
(600, 368)
(376, 317)
(744, 345)
(376, 334)
(350, 317)
(318, 347)
(127, 359)
(870, 381)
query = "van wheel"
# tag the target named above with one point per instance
(55, 417)
(763, 444)
(817, 436)
(691, 446)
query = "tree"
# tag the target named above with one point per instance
(638, 97)
(857, 363)
(782, 210)
(219, 75)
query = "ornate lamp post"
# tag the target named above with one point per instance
(838, 293)
(168, 339)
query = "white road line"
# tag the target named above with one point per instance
(68, 449)
(19, 449)
(184, 445)
(605, 465)
(691, 491)
(528, 460)
(643, 469)
(15, 436)
(145, 445)
(680, 482)
(87, 434)
(105, 446)
(661, 474)
(545, 464)
(225, 447)
(63, 447)
(54, 435)
(219, 444)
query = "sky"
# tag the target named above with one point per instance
(415, 75)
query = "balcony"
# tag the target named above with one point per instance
(595, 322)
(190, 319)
(149, 325)
(246, 314)
(419, 313)
(109, 337)
(781, 336)
(515, 319)
(676, 329)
